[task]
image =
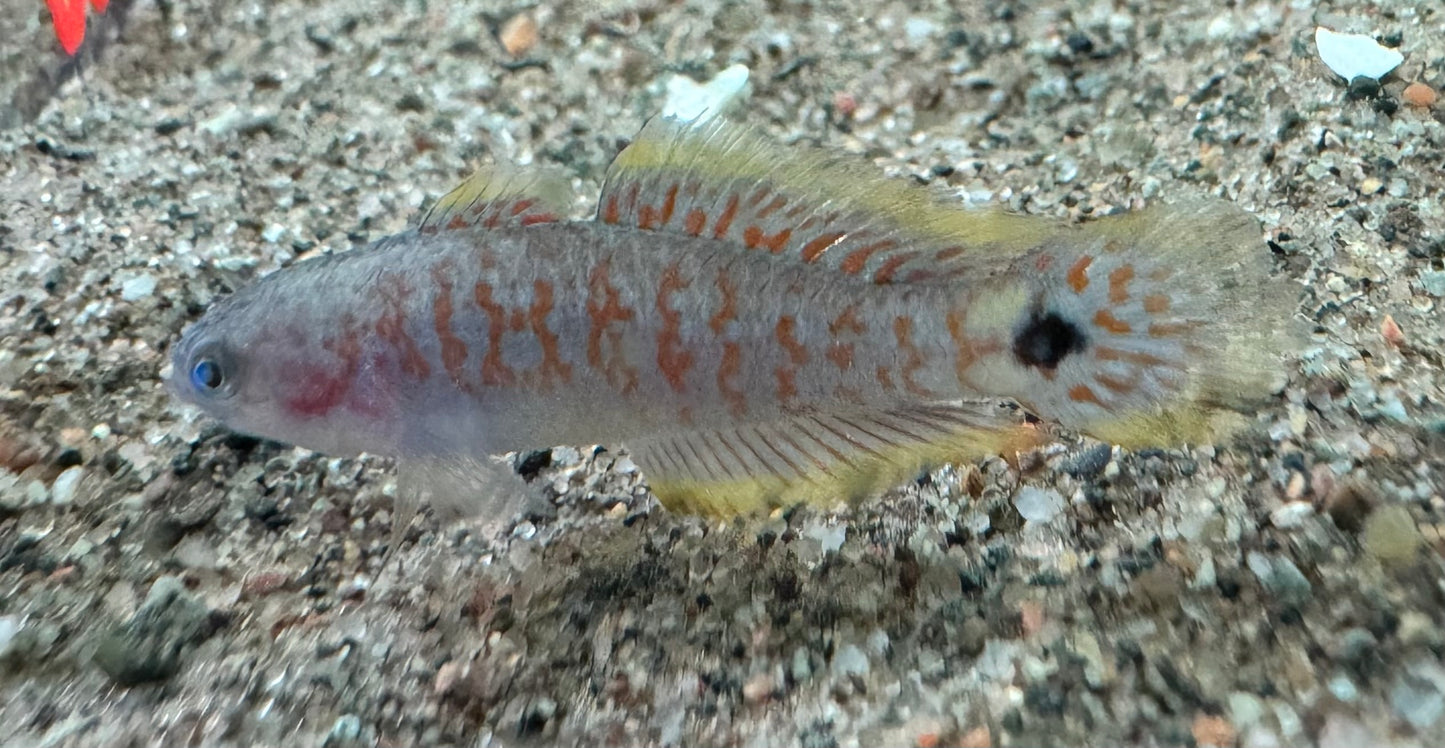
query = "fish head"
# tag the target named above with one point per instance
(274, 361)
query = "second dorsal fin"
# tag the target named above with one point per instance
(722, 181)
(502, 195)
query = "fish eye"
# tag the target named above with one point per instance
(206, 375)
(212, 370)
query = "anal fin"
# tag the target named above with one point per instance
(821, 457)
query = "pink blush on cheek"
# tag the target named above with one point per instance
(314, 391)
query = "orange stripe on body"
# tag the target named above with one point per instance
(815, 247)
(604, 310)
(1106, 319)
(1078, 276)
(453, 349)
(552, 364)
(1119, 284)
(858, 258)
(672, 359)
(725, 219)
(391, 327)
(903, 332)
(495, 372)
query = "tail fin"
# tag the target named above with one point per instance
(1141, 329)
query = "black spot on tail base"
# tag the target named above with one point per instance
(1046, 339)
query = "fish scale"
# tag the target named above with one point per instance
(759, 325)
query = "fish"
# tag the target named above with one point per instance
(759, 325)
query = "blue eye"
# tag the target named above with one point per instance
(206, 375)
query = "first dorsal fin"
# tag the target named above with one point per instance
(821, 457)
(722, 181)
(502, 195)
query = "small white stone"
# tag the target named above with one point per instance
(1038, 504)
(1353, 55)
(689, 101)
(1291, 515)
(274, 233)
(137, 288)
(62, 491)
(850, 660)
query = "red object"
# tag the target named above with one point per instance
(68, 17)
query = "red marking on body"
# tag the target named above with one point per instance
(944, 255)
(841, 354)
(816, 246)
(903, 332)
(1043, 262)
(604, 311)
(885, 272)
(758, 195)
(1119, 284)
(495, 372)
(1105, 353)
(965, 354)
(858, 258)
(695, 222)
(1156, 303)
(315, 389)
(1079, 274)
(610, 212)
(728, 368)
(885, 380)
(725, 219)
(1106, 319)
(728, 303)
(1080, 393)
(847, 320)
(647, 217)
(754, 238)
(453, 350)
(552, 364)
(1161, 274)
(457, 222)
(920, 275)
(672, 359)
(772, 207)
(669, 204)
(784, 331)
(1114, 384)
(391, 326)
(536, 218)
(522, 205)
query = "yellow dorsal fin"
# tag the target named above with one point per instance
(723, 181)
(502, 195)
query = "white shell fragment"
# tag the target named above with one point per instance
(688, 100)
(1354, 55)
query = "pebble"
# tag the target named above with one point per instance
(150, 646)
(345, 731)
(1434, 282)
(1351, 56)
(1038, 504)
(1211, 730)
(1419, 95)
(1292, 514)
(1279, 576)
(1391, 535)
(689, 100)
(758, 689)
(519, 34)
(62, 491)
(137, 288)
(1416, 695)
(9, 627)
(850, 661)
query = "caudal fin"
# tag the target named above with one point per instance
(1145, 329)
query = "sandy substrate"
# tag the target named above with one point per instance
(163, 582)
